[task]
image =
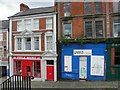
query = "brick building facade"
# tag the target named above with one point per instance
(88, 27)
(33, 43)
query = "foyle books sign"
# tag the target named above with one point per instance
(78, 52)
(27, 57)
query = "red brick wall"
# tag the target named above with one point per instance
(14, 25)
(4, 35)
(77, 11)
(42, 22)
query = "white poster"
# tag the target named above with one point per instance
(68, 63)
(97, 65)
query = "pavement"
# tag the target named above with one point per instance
(77, 84)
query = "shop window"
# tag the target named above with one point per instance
(99, 29)
(17, 68)
(88, 29)
(98, 7)
(116, 28)
(49, 43)
(37, 69)
(19, 43)
(87, 7)
(67, 29)
(117, 56)
(49, 23)
(67, 9)
(36, 43)
(27, 43)
(50, 62)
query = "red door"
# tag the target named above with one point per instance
(27, 68)
(50, 72)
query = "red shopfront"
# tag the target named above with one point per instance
(27, 65)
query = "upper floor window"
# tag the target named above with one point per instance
(87, 7)
(36, 43)
(19, 25)
(1, 36)
(99, 29)
(1, 53)
(28, 43)
(98, 7)
(116, 28)
(88, 29)
(67, 9)
(49, 23)
(27, 24)
(94, 28)
(67, 29)
(36, 24)
(116, 6)
(49, 43)
(19, 43)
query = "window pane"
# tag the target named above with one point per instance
(99, 29)
(36, 43)
(36, 23)
(88, 29)
(117, 56)
(1, 36)
(27, 24)
(28, 43)
(19, 25)
(67, 9)
(67, 30)
(116, 6)
(49, 45)
(49, 23)
(116, 27)
(19, 44)
(87, 8)
(37, 69)
(98, 7)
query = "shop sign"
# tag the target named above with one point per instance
(27, 57)
(82, 52)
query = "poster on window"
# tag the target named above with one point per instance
(97, 65)
(68, 63)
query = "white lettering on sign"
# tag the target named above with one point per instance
(82, 52)
(27, 57)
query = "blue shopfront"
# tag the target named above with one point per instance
(84, 61)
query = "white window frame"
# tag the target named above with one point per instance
(114, 26)
(27, 24)
(23, 43)
(1, 36)
(36, 24)
(19, 25)
(49, 21)
(17, 43)
(46, 35)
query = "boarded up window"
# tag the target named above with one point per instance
(88, 29)
(99, 29)
(98, 7)
(87, 8)
(68, 63)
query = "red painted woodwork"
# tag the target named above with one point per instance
(25, 65)
(50, 72)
